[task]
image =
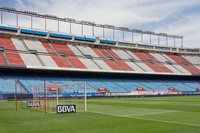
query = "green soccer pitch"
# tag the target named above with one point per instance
(118, 115)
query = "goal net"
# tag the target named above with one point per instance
(48, 96)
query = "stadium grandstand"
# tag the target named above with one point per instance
(110, 67)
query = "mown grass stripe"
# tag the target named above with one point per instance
(148, 119)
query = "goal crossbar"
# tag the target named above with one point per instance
(50, 92)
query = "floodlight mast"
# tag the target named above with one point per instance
(88, 23)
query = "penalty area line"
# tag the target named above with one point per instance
(148, 119)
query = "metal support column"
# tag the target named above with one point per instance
(58, 26)
(31, 22)
(174, 42)
(123, 35)
(141, 37)
(1, 17)
(70, 28)
(150, 39)
(181, 42)
(93, 30)
(17, 24)
(103, 32)
(45, 23)
(113, 34)
(82, 29)
(132, 37)
(166, 41)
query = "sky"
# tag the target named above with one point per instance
(174, 17)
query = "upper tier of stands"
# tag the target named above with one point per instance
(27, 53)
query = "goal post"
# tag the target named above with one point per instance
(48, 96)
(74, 93)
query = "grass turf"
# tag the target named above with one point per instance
(117, 115)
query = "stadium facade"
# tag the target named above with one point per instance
(109, 67)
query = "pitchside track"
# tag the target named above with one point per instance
(118, 115)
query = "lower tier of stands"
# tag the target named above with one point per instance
(70, 83)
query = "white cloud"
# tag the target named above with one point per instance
(188, 27)
(168, 16)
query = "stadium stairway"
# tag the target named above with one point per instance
(196, 69)
(111, 61)
(180, 62)
(5, 58)
(103, 57)
(165, 62)
(148, 61)
(2, 59)
(119, 61)
(158, 64)
(23, 87)
(50, 49)
(193, 59)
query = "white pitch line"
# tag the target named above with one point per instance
(138, 114)
(163, 112)
(148, 119)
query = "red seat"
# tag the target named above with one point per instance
(76, 62)
(61, 61)
(48, 47)
(7, 43)
(63, 48)
(15, 59)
